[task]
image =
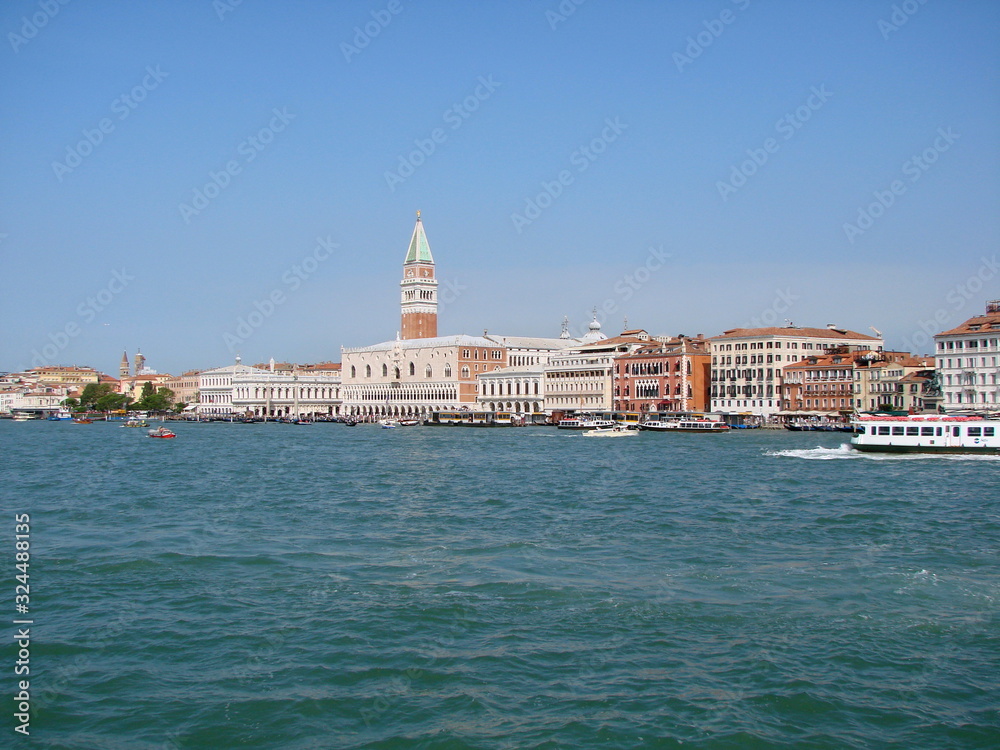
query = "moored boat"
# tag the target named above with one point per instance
(685, 425)
(931, 433)
(161, 432)
(585, 423)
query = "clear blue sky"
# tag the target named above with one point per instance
(693, 89)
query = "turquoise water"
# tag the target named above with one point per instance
(277, 586)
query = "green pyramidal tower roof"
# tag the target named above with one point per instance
(419, 251)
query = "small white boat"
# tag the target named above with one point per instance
(408, 422)
(615, 431)
(388, 424)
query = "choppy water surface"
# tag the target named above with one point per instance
(277, 586)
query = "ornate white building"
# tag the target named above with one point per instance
(289, 392)
(514, 389)
(215, 388)
(418, 376)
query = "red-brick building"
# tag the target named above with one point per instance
(663, 376)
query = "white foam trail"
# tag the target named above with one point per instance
(818, 453)
(844, 450)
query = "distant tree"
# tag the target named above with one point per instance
(885, 407)
(112, 402)
(70, 403)
(162, 400)
(155, 400)
(92, 393)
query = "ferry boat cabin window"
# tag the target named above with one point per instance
(884, 430)
(861, 429)
(938, 431)
(975, 431)
(927, 431)
(988, 431)
(897, 430)
(912, 430)
(955, 430)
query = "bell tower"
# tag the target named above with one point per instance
(418, 289)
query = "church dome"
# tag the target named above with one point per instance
(595, 331)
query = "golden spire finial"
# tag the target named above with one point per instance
(418, 213)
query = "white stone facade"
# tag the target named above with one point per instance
(265, 393)
(520, 390)
(215, 388)
(579, 381)
(968, 363)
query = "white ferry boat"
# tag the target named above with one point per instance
(685, 425)
(584, 423)
(931, 433)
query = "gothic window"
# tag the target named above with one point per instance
(368, 371)
(385, 370)
(447, 370)
(465, 372)
(428, 372)
(413, 369)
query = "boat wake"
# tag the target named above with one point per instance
(818, 453)
(845, 451)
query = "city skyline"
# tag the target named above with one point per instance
(693, 169)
